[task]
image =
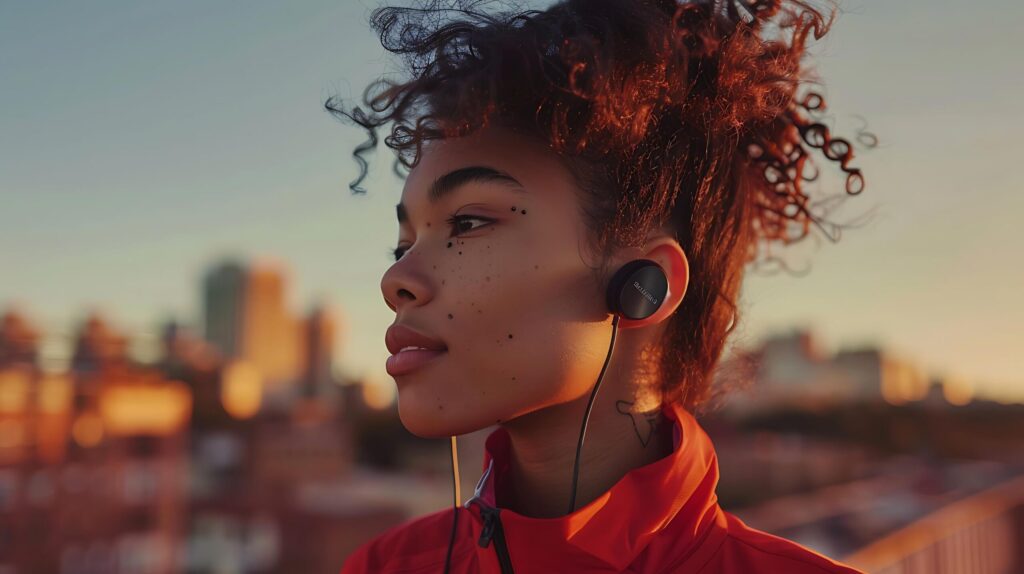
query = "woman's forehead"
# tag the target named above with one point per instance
(527, 160)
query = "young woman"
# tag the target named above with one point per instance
(587, 185)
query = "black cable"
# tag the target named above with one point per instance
(586, 416)
(451, 542)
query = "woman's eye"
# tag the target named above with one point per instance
(458, 223)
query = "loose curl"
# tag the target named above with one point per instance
(680, 116)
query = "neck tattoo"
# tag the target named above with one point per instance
(645, 424)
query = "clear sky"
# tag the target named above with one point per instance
(141, 141)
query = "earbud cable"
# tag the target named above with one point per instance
(458, 497)
(586, 416)
(576, 463)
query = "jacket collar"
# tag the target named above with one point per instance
(616, 527)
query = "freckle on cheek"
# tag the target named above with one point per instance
(450, 316)
(449, 244)
(523, 212)
(510, 335)
(513, 208)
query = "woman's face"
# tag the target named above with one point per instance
(507, 287)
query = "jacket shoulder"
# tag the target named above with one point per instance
(746, 549)
(418, 544)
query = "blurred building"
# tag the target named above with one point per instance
(19, 341)
(879, 374)
(792, 371)
(116, 467)
(223, 307)
(98, 345)
(183, 350)
(246, 317)
(321, 331)
(91, 461)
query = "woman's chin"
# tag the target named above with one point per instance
(426, 420)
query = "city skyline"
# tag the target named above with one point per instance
(247, 314)
(205, 127)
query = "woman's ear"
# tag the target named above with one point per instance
(667, 253)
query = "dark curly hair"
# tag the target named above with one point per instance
(685, 115)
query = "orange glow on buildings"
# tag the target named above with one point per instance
(34, 410)
(14, 390)
(241, 389)
(957, 390)
(150, 409)
(55, 393)
(87, 430)
(902, 380)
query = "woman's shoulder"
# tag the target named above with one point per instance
(420, 542)
(747, 549)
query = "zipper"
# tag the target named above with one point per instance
(492, 530)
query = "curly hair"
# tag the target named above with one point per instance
(682, 116)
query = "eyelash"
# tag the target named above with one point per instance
(397, 252)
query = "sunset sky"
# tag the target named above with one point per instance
(141, 142)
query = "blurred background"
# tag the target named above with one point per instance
(192, 328)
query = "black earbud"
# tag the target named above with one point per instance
(637, 289)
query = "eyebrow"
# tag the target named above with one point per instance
(453, 180)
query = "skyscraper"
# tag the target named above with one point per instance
(246, 317)
(321, 328)
(223, 297)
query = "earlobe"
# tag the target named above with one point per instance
(680, 278)
(671, 258)
(678, 271)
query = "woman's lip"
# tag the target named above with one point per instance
(405, 362)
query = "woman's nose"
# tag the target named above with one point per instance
(403, 284)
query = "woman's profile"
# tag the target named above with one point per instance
(584, 188)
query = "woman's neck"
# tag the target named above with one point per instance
(621, 436)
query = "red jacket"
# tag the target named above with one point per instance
(661, 518)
